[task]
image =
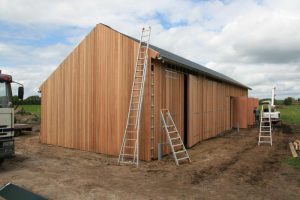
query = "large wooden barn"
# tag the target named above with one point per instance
(85, 100)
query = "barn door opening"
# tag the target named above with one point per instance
(185, 110)
(231, 112)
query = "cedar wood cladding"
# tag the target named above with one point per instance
(85, 100)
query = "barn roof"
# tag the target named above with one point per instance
(190, 65)
(168, 56)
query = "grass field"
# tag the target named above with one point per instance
(294, 162)
(35, 109)
(290, 114)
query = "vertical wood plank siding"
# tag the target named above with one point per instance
(169, 93)
(85, 101)
(209, 107)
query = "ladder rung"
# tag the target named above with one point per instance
(176, 138)
(265, 126)
(172, 131)
(145, 35)
(133, 109)
(130, 139)
(265, 141)
(126, 162)
(265, 131)
(127, 155)
(177, 145)
(129, 147)
(183, 158)
(264, 136)
(182, 151)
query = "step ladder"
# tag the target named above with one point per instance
(129, 152)
(265, 127)
(178, 149)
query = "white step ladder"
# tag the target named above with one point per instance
(129, 152)
(178, 149)
(265, 127)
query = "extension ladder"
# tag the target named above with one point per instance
(265, 128)
(178, 149)
(129, 152)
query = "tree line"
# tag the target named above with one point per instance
(286, 101)
(31, 100)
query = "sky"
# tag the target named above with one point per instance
(256, 42)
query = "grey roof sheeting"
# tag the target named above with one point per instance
(190, 65)
(196, 67)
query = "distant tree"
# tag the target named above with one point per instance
(298, 100)
(262, 100)
(15, 100)
(32, 100)
(288, 101)
(279, 102)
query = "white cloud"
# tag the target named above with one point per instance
(31, 66)
(256, 43)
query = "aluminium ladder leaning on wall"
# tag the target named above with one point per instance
(129, 152)
(173, 136)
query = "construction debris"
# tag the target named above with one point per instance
(296, 144)
(292, 147)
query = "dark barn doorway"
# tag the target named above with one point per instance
(185, 108)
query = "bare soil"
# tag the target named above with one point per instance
(231, 166)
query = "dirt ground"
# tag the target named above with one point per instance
(227, 167)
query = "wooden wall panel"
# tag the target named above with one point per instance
(209, 108)
(85, 100)
(256, 102)
(240, 112)
(195, 109)
(250, 114)
(252, 105)
(168, 93)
